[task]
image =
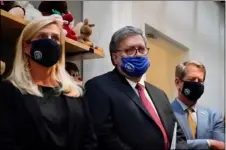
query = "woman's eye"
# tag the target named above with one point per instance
(55, 38)
(43, 36)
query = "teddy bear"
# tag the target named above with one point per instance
(59, 7)
(13, 8)
(84, 31)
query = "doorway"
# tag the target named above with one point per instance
(164, 55)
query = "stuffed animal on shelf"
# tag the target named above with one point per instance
(98, 48)
(31, 11)
(53, 7)
(55, 12)
(73, 71)
(46, 7)
(70, 33)
(13, 8)
(85, 30)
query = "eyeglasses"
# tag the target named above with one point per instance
(132, 51)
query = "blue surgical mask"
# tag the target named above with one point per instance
(135, 66)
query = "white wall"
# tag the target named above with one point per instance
(108, 17)
(75, 8)
(199, 25)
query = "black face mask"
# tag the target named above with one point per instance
(46, 52)
(192, 90)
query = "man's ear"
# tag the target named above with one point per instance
(177, 81)
(114, 58)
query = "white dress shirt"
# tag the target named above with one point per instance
(185, 107)
(133, 85)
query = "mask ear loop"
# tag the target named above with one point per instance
(181, 80)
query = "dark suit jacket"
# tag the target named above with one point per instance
(21, 126)
(121, 121)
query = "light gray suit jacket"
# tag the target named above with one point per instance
(210, 125)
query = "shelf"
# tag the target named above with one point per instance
(77, 47)
(11, 27)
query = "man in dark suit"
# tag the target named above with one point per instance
(128, 113)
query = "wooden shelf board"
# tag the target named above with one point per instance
(71, 44)
(14, 20)
(11, 27)
(96, 55)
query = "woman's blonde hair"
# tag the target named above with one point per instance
(20, 75)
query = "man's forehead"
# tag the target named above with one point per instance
(133, 40)
(192, 69)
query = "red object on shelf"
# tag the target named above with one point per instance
(70, 33)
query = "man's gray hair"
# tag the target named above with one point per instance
(121, 34)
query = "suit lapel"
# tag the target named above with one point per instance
(33, 108)
(182, 118)
(121, 83)
(161, 107)
(201, 122)
(158, 101)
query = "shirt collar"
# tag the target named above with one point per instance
(133, 84)
(185, 107)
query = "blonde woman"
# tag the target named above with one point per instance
(41, 106)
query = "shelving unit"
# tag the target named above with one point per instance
(11, 27)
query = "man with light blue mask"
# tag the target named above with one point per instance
(129, 113)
